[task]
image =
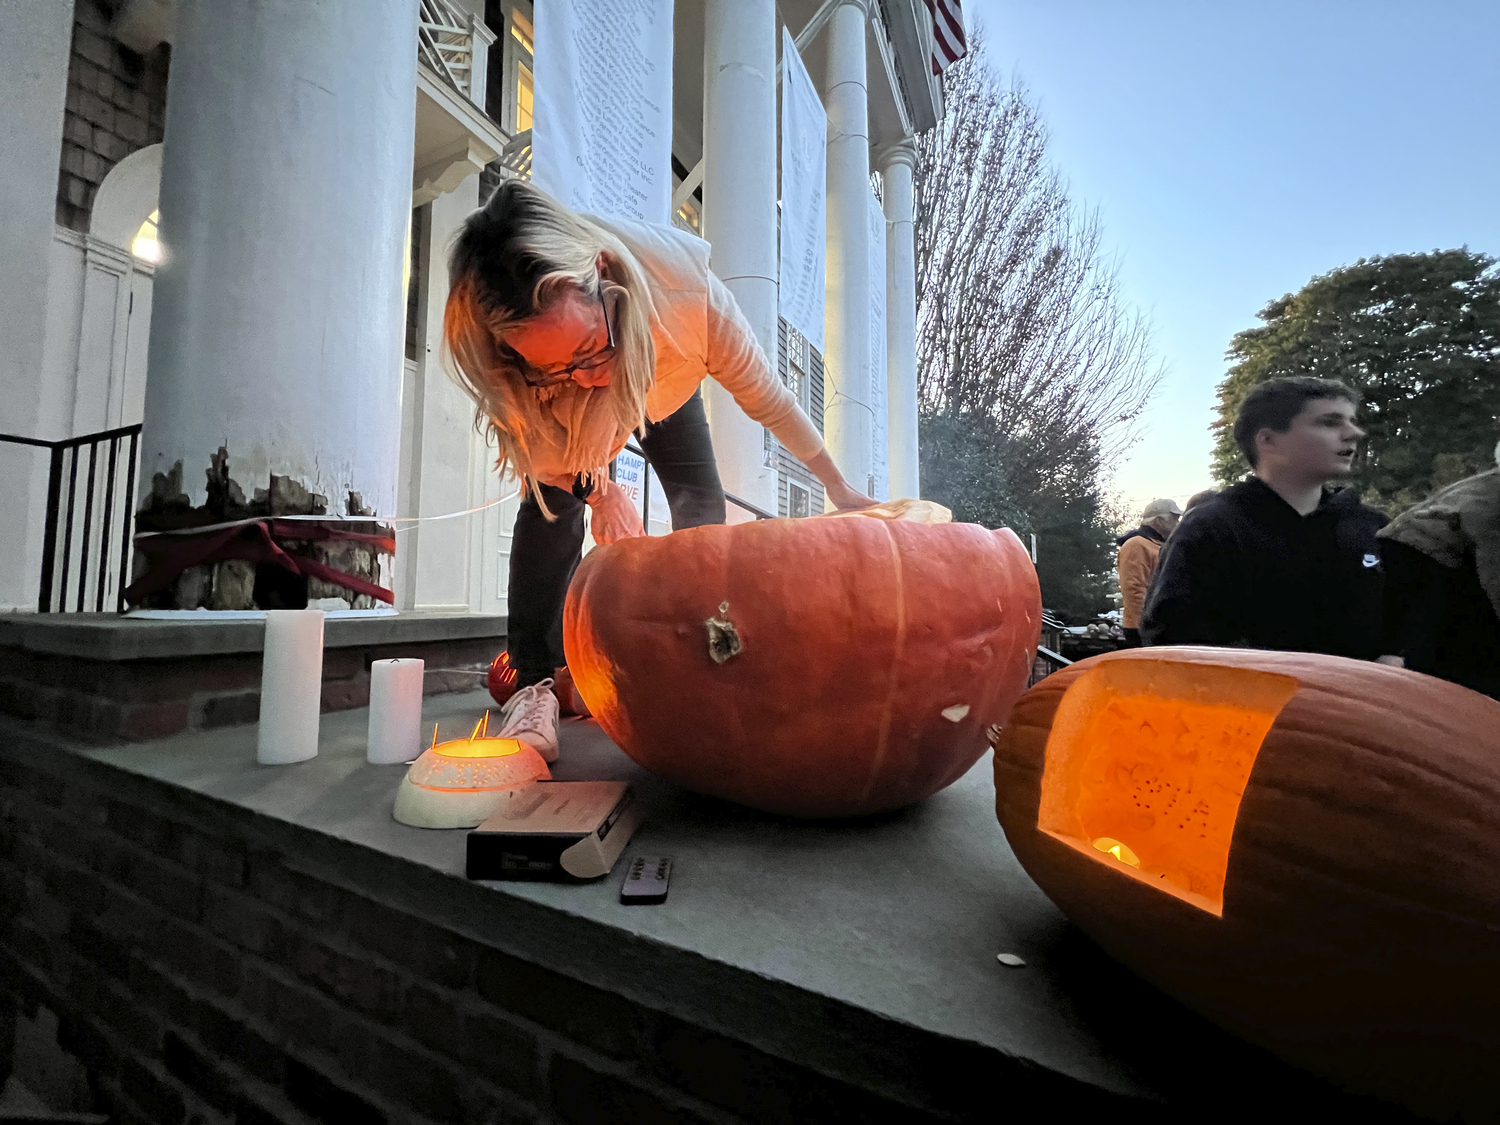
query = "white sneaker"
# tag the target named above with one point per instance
(531, 716)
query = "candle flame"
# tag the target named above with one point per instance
(478, 744)
(1113, 847)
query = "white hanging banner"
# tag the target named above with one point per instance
(601, 140)
(804, 191)
(880, 445)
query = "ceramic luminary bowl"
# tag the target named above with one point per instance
(463, 782)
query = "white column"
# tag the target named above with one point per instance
(739, 213)
(847, 420)
(35, 41)
(896, 165)
(286, 186)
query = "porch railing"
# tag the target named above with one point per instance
(1045, 664)
(92, 514)
(516, 158)
(745, 505)
(1049, 657)
(454, 45)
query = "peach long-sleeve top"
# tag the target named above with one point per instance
(699, 332)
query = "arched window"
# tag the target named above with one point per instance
(145, 245)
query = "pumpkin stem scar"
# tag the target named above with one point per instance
(723, 639)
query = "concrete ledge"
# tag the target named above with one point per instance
(107, 636)
(799, 971)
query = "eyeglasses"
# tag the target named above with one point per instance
(535, 378)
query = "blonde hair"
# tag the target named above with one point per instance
(510, 260)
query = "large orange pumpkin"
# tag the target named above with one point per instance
(1303, 848)
(832, 666)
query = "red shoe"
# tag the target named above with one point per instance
(502, 681)
(502, 685)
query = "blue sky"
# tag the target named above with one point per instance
(1236, 149)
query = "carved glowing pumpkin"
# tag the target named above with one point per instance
(832, 666)
(1303, 848)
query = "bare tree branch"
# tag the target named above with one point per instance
(1032, 374)
(1019, 316)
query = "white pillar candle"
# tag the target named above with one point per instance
(395, 711)
(291, 687)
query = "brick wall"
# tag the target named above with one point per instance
(117, 104)
(141, 699)
(202, 974)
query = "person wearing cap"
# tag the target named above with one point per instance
(1136, 563)
(1280, 560)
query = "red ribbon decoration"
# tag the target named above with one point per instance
(254, 542)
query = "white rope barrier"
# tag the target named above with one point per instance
(412, 520)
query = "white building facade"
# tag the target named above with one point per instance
(228, 224)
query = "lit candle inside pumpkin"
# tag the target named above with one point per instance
(1159, 754)
(1113, 847)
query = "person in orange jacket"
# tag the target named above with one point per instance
(1136, 562)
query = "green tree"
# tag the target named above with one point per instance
(969, 464)
(1418, 335)
(1031, 370)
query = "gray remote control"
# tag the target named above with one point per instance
(646, 880)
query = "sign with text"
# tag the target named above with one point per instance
(602, 137)
(630, 475)
(804, 190)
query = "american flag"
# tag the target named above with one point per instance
(948, 42)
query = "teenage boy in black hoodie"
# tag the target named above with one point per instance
(1279, 561)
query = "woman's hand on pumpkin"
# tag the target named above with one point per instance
(614, 515)
(846, 499)
(835, 487)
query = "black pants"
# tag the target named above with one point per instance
(543, 554)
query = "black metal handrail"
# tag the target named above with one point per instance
(102, 575)
(758, 513)
(1045, 664)
(632, 447)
